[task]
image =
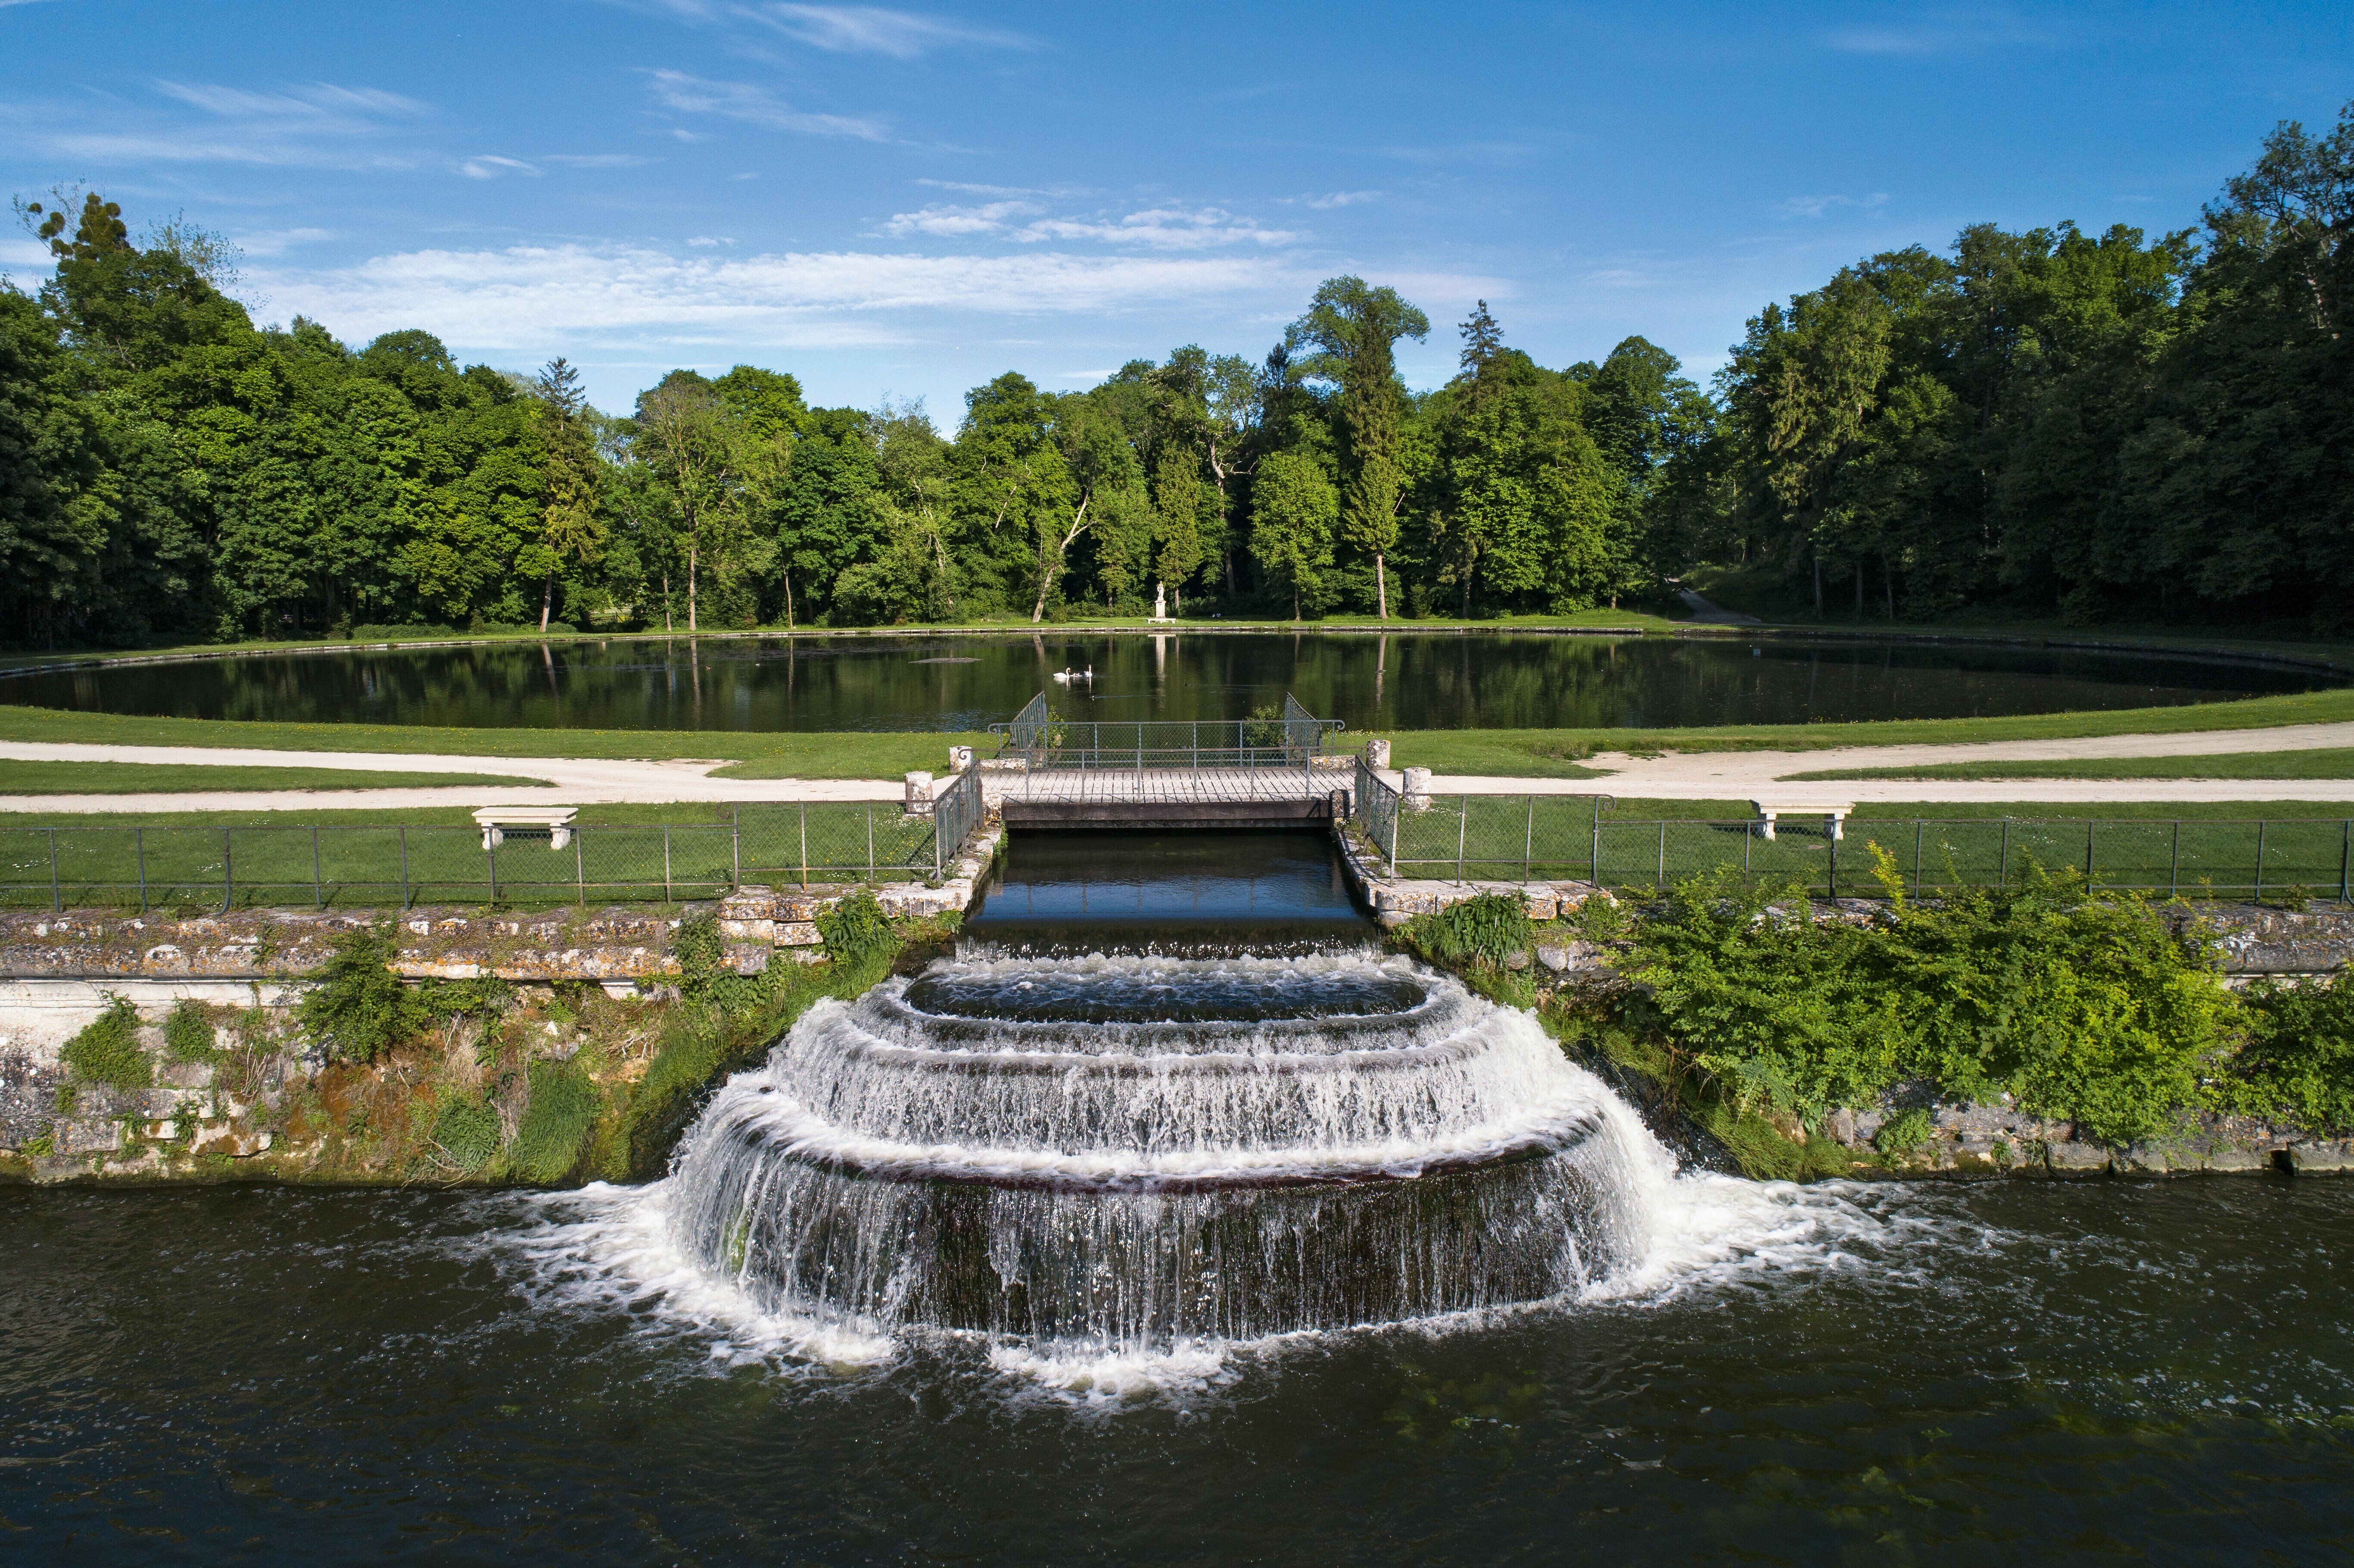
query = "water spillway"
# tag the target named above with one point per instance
(1130, 1150)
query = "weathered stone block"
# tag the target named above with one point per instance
(83, 1135)
(226, 1138)
(2320, 1158)
(2077, 1159)
(798, 933)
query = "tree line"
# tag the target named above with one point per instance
(2040, 422)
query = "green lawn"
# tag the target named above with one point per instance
(1555, 753)
(174, 778)
(810, 754)
(384, 859)
(2332, 763)
(2227, 849)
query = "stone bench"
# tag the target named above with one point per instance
(498, 821)
(1834, 817)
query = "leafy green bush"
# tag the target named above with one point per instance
(106, 1051)
(2090, 1011)
(188, 1033)
(466, 1133)
(563, 1108)
(359, 1009)
(2299, 1053)
(1481, 931)
(1904, 1132)
(856, 929)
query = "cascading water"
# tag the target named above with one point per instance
(1129, 1153)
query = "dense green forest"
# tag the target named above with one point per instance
(2038, 423)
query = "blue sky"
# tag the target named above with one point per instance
(905, 203)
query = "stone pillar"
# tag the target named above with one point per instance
(960, 758)
(919, 794)
(1377, 752)
(1418, 789)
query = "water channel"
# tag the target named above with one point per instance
(1395, 680)
(1246, 1242)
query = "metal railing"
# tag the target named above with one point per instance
(1044, 744)
(1532, 837)
(224, 868)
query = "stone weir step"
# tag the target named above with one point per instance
(1316, 810)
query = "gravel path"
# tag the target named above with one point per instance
(1691, 775)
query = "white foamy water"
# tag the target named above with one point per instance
(1169, 1194)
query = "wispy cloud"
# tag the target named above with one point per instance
(490, 167)
(259, 242)
(597, 160)
(1159, 228)
(1952, 33)
(1816, 206)
(319, 125)
(839, 30)
(872, 30)
(755, 105)
(528, 298)
(1337, 198)
(318, 101)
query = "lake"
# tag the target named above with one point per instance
(1406, 680)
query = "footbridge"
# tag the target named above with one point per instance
(1271, 772)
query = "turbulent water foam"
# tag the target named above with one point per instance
(1113, 1156)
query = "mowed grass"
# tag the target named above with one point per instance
(386, 858)
(2336, 762)
(807, 755)
(179, 778)
(1557, 753)
(2223, 849)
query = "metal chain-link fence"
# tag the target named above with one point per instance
(765, 842)
(1523, 837)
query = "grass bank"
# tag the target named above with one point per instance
(808, 755)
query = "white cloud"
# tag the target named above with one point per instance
(490, 167)
(872, 30)
(705, 241)
(321, 125)
(530, 298)
(319, 101)
(1163, 229)
(597, 160)
(277, 241)
(1337, 198)
(957, 221)
(1948, 35)
(1816, 206)
(755, 106)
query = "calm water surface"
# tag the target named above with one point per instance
(1405, 680)
(1952, 1374)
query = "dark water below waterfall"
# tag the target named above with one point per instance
(1403, 680)
(1999, 1372)
(1959, 1373)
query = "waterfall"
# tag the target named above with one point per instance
(1135, 1152)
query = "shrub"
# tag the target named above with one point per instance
(188, 1033)
(106, 1051)
(467, 1134)
(563, 1108)
(2090, 1011)
(1904, 1132)
(2300, 1053)
(854, 929)
(1481, 931)
(359, 1009)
